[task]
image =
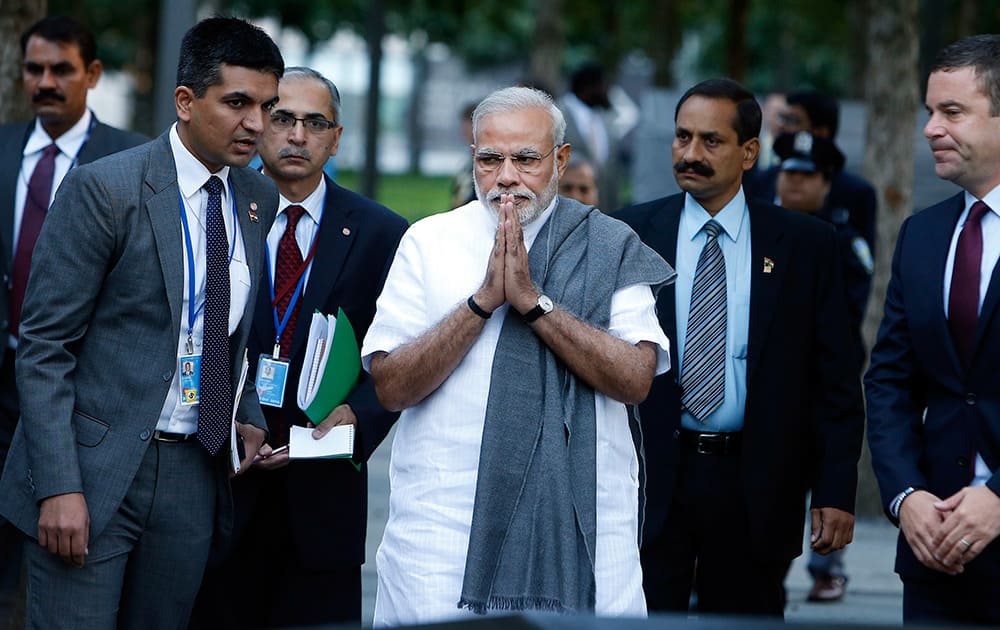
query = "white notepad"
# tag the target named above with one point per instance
(339, 442)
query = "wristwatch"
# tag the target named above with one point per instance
(543, 307)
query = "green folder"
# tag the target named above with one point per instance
(331, 366)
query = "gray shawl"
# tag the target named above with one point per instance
(535, 517)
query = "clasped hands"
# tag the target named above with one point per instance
(947, 534)
(508, 278)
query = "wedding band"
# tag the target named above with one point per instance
(967, 544)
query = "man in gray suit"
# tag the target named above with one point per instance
(60, 66)
(147, 259)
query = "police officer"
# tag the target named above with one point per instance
(808, 166)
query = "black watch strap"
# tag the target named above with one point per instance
(478, 310)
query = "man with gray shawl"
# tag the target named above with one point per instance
(516, 333)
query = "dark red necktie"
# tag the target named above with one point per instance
(35, 207)
(963, 300)
(287, 271)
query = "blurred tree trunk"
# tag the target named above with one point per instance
(375, 31)
(550, 39)
(663, 46)
(736, 44)
(893, 99)
(15, 17)
(415, 112)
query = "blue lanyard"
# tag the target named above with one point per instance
(280, 325)
(192, 311)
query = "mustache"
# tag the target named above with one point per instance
(47, 94)
(494, 195)
(294, 152)
(698, 168)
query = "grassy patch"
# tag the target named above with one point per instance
(412, 196)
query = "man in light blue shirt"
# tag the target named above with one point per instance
(766, 405)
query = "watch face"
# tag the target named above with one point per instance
(545, 303)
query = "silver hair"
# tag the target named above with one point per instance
(301, 72)
(513, 99)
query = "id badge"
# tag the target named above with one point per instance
(272, 375)
(189, 368)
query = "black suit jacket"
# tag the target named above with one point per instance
(328, 499)
(927, 413)
(103, 140)
(803, 419)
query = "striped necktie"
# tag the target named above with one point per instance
(703, 374)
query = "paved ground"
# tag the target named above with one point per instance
(874, 594)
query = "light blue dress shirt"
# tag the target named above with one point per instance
(735, 243)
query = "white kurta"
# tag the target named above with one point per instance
(442, 260)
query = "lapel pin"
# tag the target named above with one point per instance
(346, 231)
(252, 213)
(768, 265)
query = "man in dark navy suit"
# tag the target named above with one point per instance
(727, 480)
(932, 389)
(300, 525)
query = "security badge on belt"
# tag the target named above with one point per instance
(272, 375)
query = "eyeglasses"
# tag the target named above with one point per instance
(529, 162)
(286, 122)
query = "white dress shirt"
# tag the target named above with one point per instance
(435, 453)
(191, 176)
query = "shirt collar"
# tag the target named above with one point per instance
(313, 203)
(991, 199)
(191, 173)
(694, 216)
(69, 143)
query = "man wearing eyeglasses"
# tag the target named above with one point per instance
(306, 519)
(515, 333)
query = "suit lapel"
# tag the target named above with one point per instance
(253, 235)
(769, 262)
(12, 148)
(665, 222)
(163, 208)
(338, 232)
(932, 275)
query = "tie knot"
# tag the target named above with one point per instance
(50, 151)
(294, 213)
(712, 228)
(213, 185)
(978, 210)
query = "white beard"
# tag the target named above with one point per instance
(530, 211)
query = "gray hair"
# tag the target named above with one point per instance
(513, 99)
(301, 72)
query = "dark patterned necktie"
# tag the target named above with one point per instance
(703, 377)
(35, 208)
(963, 299)
(286, 267)
(215, 402)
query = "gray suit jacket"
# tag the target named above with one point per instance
(102, 140)
(98, 345)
